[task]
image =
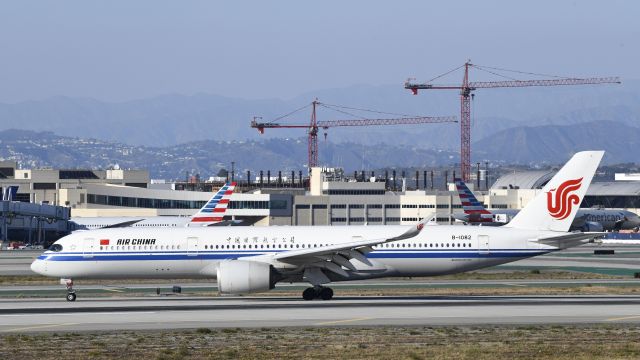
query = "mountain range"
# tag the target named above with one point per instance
(537, 146)
(176, 119)
(176, 134)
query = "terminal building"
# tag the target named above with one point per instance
(330, 199)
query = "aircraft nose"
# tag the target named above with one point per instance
(38, 267)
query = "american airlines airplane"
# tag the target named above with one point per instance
(586, 219)
(211, 213)
(253, 259)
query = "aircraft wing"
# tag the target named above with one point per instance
(122, 224)
(227, 223)
(334, 257)
(571, 239)
(361, 245)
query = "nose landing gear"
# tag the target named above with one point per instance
(71, 294)
(317, 292)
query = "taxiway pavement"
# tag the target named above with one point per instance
(93, 314)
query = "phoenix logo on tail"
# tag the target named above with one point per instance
(560, 201)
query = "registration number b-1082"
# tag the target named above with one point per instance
(460, 237)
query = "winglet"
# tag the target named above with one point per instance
(413, 231)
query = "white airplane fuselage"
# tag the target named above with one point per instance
(196, 252)
(94, 223)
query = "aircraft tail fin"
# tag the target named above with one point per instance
(555, 207)
(470, 203)
(213, 211)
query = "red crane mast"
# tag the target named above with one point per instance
(315, 125)
(467, 88)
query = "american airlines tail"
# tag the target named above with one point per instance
(213, 211)
(470, 204)
(555, 207)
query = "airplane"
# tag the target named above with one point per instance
(594, 219)
(212, 213)
(253, 259)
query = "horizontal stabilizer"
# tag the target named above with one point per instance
(572, 239)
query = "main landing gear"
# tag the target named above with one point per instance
(317, 292)
(71, 294)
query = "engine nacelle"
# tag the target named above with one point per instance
(592, 226)
(243, 277)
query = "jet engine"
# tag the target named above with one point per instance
(592, 226)
(242, 277)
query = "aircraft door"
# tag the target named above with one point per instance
(484, 245)
(192, 246)
(88, 247)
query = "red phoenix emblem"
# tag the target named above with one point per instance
(560, 201)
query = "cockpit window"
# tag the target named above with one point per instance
(56, 247)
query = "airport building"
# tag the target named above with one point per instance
(331, 199)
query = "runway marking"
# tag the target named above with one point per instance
(624, 318)
(512, 284)
(83, 313)
(39, 327)
(343, 321)
(114, 290)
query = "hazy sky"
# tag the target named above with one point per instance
(121, 50)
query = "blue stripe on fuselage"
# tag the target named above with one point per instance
(233, 255)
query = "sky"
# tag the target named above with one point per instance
(119, 50)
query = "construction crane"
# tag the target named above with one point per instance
(314, 125)
(466, 93)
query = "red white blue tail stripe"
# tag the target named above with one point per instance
(213, 211)
(470, 204)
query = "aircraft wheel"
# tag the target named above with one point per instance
(326, 293)
(309, 294)
(71, 297)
